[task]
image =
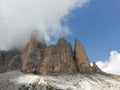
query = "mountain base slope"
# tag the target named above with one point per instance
(16, 80)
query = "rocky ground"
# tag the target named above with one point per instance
(18, 81)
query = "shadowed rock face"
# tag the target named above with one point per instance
(15, 63)
(81, 58)
(1, 60)
(6, 58)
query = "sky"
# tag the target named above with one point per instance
(18, 19)
(97, 26)
(96, 23)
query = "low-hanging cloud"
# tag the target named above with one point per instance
(18, 18)
(112, 65)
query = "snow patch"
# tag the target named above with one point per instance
(16, 80)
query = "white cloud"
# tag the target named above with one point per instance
(112, 65)
(19, 17)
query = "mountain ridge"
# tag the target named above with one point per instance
(38, 58)
(53, 67)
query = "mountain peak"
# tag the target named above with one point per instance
(34, 42)
(54, 59)
(81, 58)
(62, 42)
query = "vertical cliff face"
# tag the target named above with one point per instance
(38, 58)
(54, 59)
(81, 58)
(58, 58)
(66, 56)
(32, 55)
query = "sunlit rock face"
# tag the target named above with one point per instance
(81, 58)
(58, 58)
(38, 58)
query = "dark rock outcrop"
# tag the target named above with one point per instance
(15, 63)
(7, 55)
(81, 58)
(1, 63)
(6, 58)
(96, 69)
(1, 60)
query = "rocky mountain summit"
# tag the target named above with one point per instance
(38, 58)
(81, 58)
(57, 66)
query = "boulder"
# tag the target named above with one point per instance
(81, 59)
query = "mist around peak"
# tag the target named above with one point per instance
(18, 19)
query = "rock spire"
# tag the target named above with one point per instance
(38, 58)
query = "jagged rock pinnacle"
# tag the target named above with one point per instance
(81, 58)
(38, 58)
(32, 55)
